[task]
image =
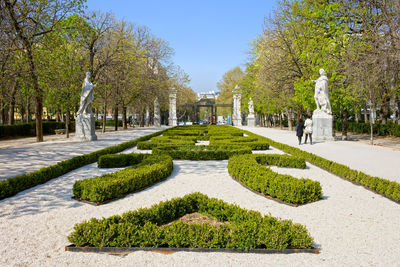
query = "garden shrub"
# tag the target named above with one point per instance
(168, 142)
(12, 186)
(250, 170)
(150, 170)
(201, 152)
(120, 160)
(253, 143)
(156, 227)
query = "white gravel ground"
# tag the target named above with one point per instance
(351, 225)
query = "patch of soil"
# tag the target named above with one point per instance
(198, 218)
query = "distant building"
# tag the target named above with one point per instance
(207, 95)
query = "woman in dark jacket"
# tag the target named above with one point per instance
(299, 130)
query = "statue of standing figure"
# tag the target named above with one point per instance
(87, 96)
(321, 94)
(251, 106)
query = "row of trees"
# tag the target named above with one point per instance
(357, 42)
(47, 46)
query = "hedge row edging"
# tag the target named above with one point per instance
(151, 170)
(14, 185)
(251, 172)
(157, 227)
(381, 186)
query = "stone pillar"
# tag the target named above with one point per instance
(157, 114)
(172, 121)
(237, 115)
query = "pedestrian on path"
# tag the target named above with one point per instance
(308, 130)
(299, 130)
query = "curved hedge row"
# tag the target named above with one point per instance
(22, 182)
(382, 186)
(120, 160)
(201, 152)
(250, 170)
(241, 141)
(149, 228)
(115, 185)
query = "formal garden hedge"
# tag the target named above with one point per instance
(387, 188)
(120, 160)
(157, 227)
(389, 128)
(250, 170)
(149, 171)
(12, 186)
(252, 142)
(29, 129)
(201, 152)
(169, 142)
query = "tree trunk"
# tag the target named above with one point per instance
(281, 120)
(67, 117)
(358, 115)
(116, 118)
(103, 128)
(28, 113)
(141, 118)
(58, 117)
(365, 112)
(3, 113)
(345, 124)
(289, 112)
(124, 122)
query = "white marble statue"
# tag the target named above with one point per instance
(251, 106)
(85, 120)
(321, 94)
(237, 114)
(87, 96)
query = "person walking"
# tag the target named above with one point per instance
(308, 130)
(299, 130)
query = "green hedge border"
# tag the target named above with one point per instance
(384, 187)
(120, 160)
(12, 186)
(149, 227)
(201, 152)
(152, 169)
(250, 170)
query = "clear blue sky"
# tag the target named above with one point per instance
(208, 37)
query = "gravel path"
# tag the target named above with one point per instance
(351, 225)
(30, 157)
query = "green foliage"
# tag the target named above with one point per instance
(201, 152)
(29, 129)
(250, 170)
(389, 129)
(120, 160)
(252, 142)
(152, 227)
(150, 170)
(22, 182)
(164, 142)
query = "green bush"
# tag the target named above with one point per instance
(250, 170)
(382, 186)
(22, 182)
(253, 143)
(149, 171)
(201, 152)
(156, 227)
(120, 160)
(29, 129)
(168, 142)
(390, 128)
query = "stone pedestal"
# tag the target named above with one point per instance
(251, 121)
(322, 126)
(85, 127)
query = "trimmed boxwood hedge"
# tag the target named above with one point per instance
(201, 152)
(387, 188)
(253, 143)
(119, 160)
(22, 182)
(250, 170)
(115, 185)
(152, 227)
(29, 129)
(169, 142)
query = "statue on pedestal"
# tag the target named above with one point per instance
(322, 119)
(85, 120)
(157, 116)
(250, 117)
